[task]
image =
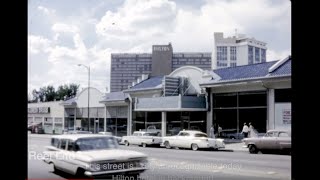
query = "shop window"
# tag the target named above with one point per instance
(250, 99)
(283, 95)
(224, 100)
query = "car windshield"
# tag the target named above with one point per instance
(200, 135)
(97, 143)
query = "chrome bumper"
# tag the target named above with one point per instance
(91, 173)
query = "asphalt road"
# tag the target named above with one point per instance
(172, 164)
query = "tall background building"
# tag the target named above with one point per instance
(126, 68)
(236, 51)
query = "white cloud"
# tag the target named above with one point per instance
(37, 44)
(277, 55)
(61, 27)
(46, 10)
(138, 19)
(136, 25)
(61, 53)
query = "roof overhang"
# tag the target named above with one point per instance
(242, 81)
(143, 89)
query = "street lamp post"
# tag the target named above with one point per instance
(88, 68)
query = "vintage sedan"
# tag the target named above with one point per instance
(273, 140)
(89, 155)
(192, 139)
(142, 138)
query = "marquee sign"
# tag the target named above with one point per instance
(39, 110)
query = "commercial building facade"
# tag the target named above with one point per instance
(126, 68)
(48, 114)
(237, 51)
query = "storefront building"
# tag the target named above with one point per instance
(161, 104)
(48, 114)
(76, 111)
(259, 93)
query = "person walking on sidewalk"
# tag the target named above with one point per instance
(245, 130)
(212, 132)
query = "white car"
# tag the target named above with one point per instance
(110, 134)
(89, 155)
(193, 140)
(142, 138)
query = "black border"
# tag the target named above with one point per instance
(304, 104)
(14, 86)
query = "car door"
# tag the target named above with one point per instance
(135, 138)
(182, 139)
(284, 140)
(269, 141)
(174, 140)
(70, 162)
(59, 157)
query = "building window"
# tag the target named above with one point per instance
(233, 53)
(250, 54)
(222, 56)
(257, 54)
(233, 64)
(263, 55)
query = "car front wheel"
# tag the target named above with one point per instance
(194, 147)
(144, 145)
(253, 149)
(126, 143)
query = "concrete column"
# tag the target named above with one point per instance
(163, 124)
(209, 114)
(42, 121)
(270, 114)
(74, 119)
(129, 120)
(105, 119)
(63, 120)
(53, 123)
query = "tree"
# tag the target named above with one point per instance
(48, 93)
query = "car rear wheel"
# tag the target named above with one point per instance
(126, 143)
(194, 147)
(144, 145)
(167, 144)
(253, 149)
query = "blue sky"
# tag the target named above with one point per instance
(62, 34)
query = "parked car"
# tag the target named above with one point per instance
(92, 155)
(231, 134)
(79, 132)
(152, 129)
(279, 140)
(193, 140)
(110, 134)
(142, 138)
(36, 128)
(175, 131)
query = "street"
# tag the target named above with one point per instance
(182, 164)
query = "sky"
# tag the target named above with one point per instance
(63, 34)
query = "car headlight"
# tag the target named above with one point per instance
(94, 167)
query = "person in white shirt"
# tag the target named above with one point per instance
(212, 132)
(245, 130)
(252, 131)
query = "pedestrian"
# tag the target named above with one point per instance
(250, 130)
(245, 130)
(219, 130)
(212, 132)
